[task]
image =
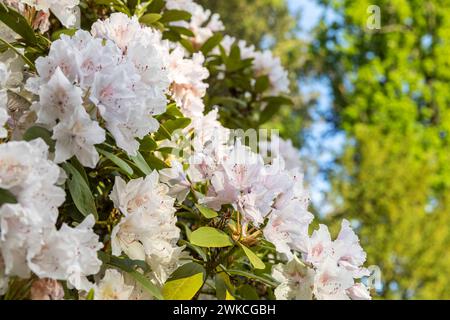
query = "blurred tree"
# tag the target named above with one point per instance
(269, 24)
(392, 98)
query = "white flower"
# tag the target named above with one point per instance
(20, 228)
(58, 99)
(176, 179)
(359, 292)
(209, 134)
(187, 76)
(68, 254)
(147, 231)
(77, 136)
(112, 287)
(65, 10)
(296, 280)
(116, 99)
(27, 173)
(331, 282)
(283, 149)
(345, 250)
(320, 246)
(288, 229)
(125, 132)
(266, 64)
(62, 55)
(81, 72)
(118, 28)
(237, 182)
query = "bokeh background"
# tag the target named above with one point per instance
(372, 121)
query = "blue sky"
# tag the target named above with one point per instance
(320, 145)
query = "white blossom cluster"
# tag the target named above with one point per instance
(113, 81)
(147, 230)
(271, 197)
(328, 270)
(187, 77)
(202, 23)
(264, 64)
(78, 87)
(29, 240)
(65, 10)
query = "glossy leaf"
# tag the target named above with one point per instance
(210, 238)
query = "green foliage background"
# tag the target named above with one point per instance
(391, 97)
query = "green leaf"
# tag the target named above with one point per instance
(233, 62)
(248, 292)
(175, 15)
(150, 18)
(77, 165)
(223, 285)
(228, 101)
(117, 161)
(123, 263)
(40, 132)
(280, 100)
(210, 238)
(128, 266)
(183, 289)
(147, 144)
(90, 295)
(168, 127)
(171, 36)
(6, 197)
(174, 111)
(147, 285)
(80, 192)
(211, 43)
(249, 275)
(206, 212)
(228, 296)
(156, 6)
(254, 259)
(57, 34)
(140, 162)
(262, 84)
(156, 163)
(187, 45)
(185, 282)
(187, 270)
(182, 30)
(118, 5)
(18, 24)
(269, 111)
(197, 249)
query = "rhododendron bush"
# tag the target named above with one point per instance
(123, 174)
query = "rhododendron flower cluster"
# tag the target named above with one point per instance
(187, 77)
(65, 10)
(29, 239)
(77, 87)
(118, 179)
(147, 231)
